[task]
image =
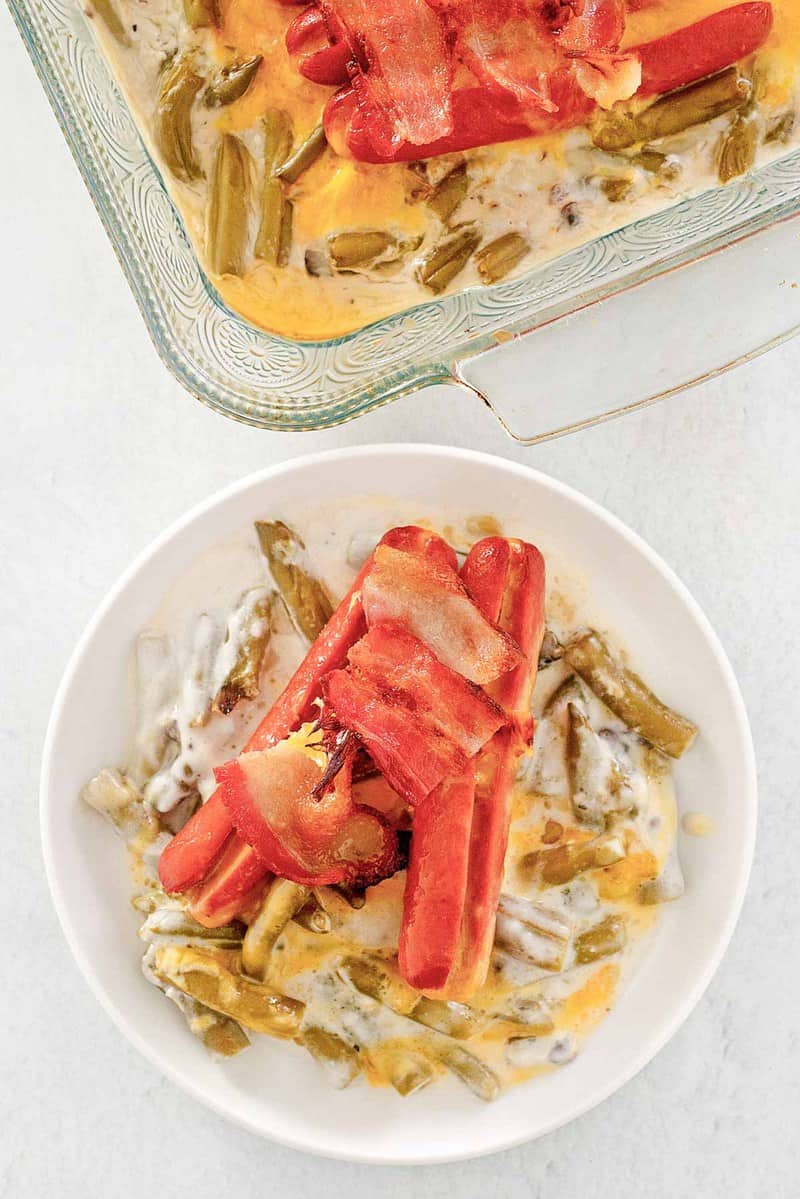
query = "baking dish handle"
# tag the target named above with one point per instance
(643, 343)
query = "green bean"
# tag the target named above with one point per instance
(305, 597)
(274, 237)
(370, 978)
(736, 152)
(179, 86)
(228, 207)
(624, 693)
(596, 782)
(656, 163)
(563, 863)
(175, 924)
(780, 129)
(532, 933)
(243, 679)
(569, 690)
(469, 1069)
(220, 1034)
(339, 1060)
(114, 796)
(313, 917)
(531, 1012)
(448, 193)
(694, 105)
(282, 901)
(277, 127)
(232, 82)
(201, 14)
(448, 258)
(304, 156)
(616, 189)
(601, 940)
(359, 248)
(453, 1019)
(112, 21)
(407, 1072)
(495, 260)
(206, 977)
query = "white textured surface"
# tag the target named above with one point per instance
(100, 449)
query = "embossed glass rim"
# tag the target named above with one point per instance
(275, 383)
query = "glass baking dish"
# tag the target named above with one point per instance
(626, 319)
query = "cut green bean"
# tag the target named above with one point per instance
(304, 156)
(179, 86)
(694, 105)
(601, 940)
(624, 693)
(448, 258)
(339, 1060)
(407, 1072)
(254, 618)
(232, 82)
(448, 193)
(282, 901)
(170, 924)
(455, 1020)
(209, 978)
(359, 248)
(201, 14)
(532, 933)
(112, 21)
(736, 153)
(313, 918)
(274, 238)
(229, 207)
(469, 1069)
(305, 597)
(497, 259)
(563, 863)
(597, 786)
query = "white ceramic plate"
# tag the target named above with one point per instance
(274, 1089)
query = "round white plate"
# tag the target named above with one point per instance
(275, 1089)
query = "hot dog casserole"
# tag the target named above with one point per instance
(303, 235)
(340, 917)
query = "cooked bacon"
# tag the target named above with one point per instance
(597, 29)
(275, 805)
(429, 600)
(520, 47)
(400, 67)
(419, 720)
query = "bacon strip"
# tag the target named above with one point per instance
(420, 720)
(298, 834)
(400, 67)
(431, 602)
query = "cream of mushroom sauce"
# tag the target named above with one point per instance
(304, 963)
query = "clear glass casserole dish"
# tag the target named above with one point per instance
(624, 320)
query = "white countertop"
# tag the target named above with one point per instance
(101, 449)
